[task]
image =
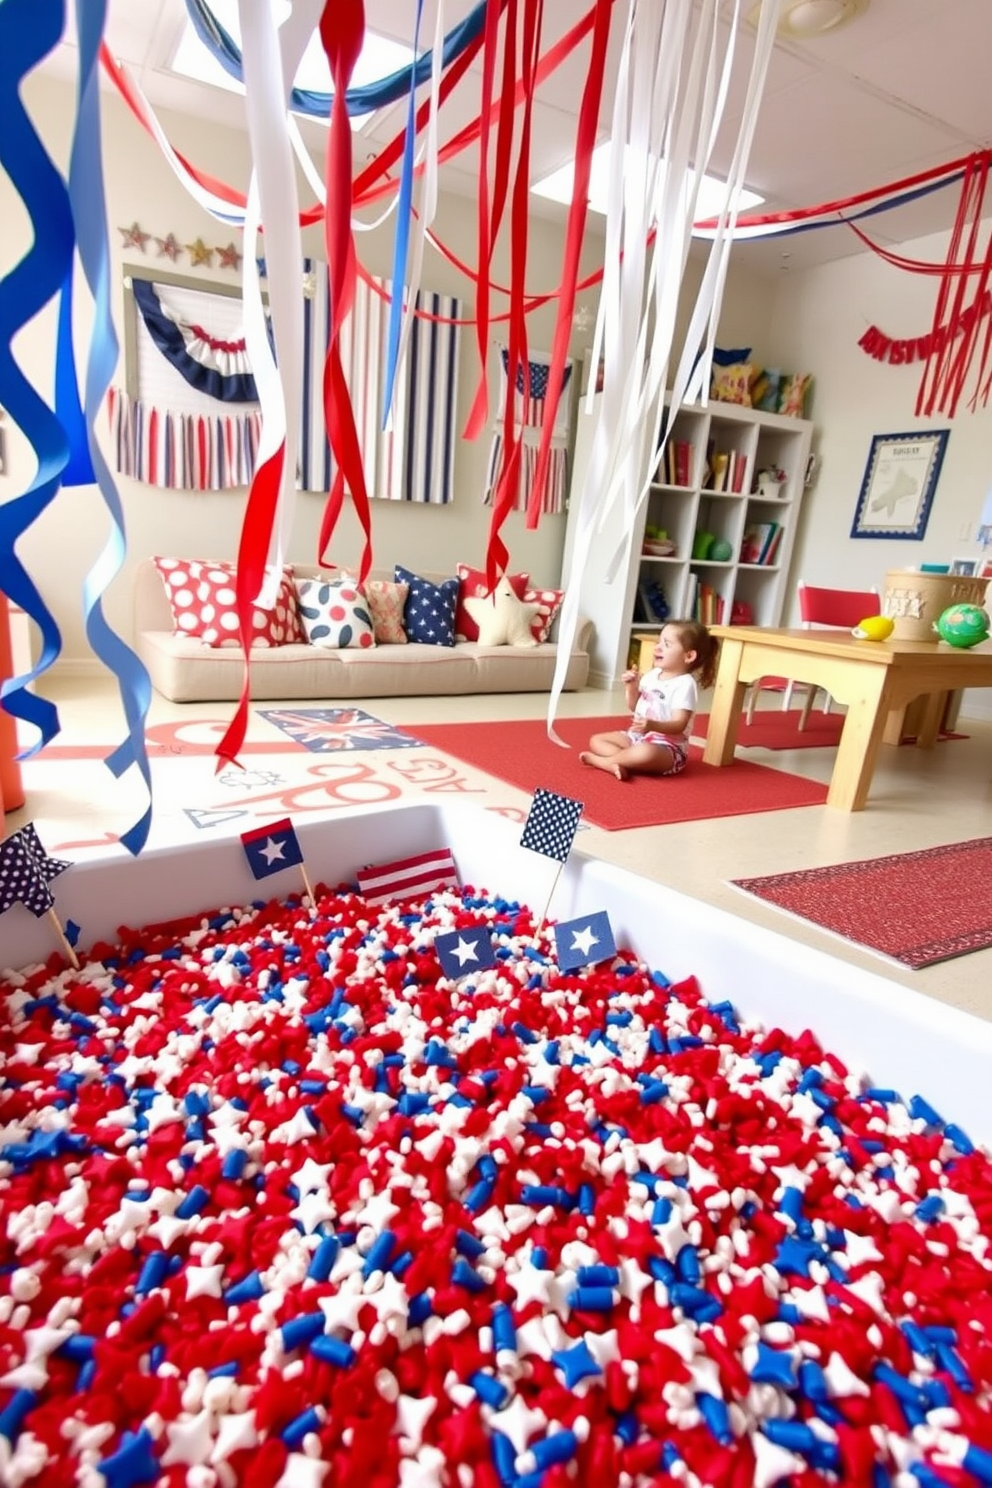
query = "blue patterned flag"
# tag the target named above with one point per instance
(551, 824)
(271, 848)
(461, 952)
(585, 941)
(26, 870)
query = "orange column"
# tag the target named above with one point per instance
(11, 789)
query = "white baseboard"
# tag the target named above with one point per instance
(976, 703)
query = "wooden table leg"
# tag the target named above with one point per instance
(933, 712)
(895, 726)
(725, 712)
(859, 743)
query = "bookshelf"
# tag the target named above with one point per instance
(727, 542)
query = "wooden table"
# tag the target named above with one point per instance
(875, 679)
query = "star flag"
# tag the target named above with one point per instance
(271, 848)
(26, 870)
(551, 824)
(461, 952)
(585, 941)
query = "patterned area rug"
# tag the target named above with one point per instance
(331, 730)
(914, 908)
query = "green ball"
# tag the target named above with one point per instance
(963, 625)
(721, 550)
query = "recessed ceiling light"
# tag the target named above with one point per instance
(558, 187)
(802, 19)
(379, 57)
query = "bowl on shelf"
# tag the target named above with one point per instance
(655, 549)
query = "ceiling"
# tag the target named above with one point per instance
(901, 88)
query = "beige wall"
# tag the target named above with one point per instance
(62, 545)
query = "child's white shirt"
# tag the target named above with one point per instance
(659, 697)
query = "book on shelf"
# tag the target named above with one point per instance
(650, 604)
(761, 542)
(676, 466)
(709, 605)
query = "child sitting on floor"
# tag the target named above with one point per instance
(663, 703)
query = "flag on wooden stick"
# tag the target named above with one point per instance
(26, 871)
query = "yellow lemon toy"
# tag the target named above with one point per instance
(875, 628)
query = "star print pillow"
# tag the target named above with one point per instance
(429, 616)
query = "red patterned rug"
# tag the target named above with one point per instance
(522, 755)
(772, 729)
(915, 908)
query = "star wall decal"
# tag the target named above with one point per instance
(199, 253)
(229, 257)
(134, 237)
(169, 247)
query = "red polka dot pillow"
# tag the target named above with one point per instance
(548, 603)
(204, 605)
(335, 613)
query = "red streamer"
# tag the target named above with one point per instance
(479, 411)
(585, 140)
(947, 366)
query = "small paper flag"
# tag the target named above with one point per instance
(584, 941)
(26, 870)
(461, 952)
(272, 848)
(409, 878)
(551, 824)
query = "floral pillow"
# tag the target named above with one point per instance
(474, 586)
(386, 604)
(335, 614)
(733, 384)
(548, 603)
(429, 616)
(204, 605)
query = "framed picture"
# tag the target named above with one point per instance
(898, 485)
(966, 568)
(985, 569)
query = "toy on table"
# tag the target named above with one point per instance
(963, 625)
(874, 628)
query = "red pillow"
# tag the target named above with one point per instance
(549, 601)
(203, 602)
(473, 585)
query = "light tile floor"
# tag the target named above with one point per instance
(919, 799)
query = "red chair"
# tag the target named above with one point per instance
(825, 609)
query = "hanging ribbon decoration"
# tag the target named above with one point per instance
(68, 409)
(29, 29)
(89, 209)
(585, 140)
(342, 29)
(402, 239)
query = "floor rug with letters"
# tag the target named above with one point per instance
(915, 908)
(521, 754)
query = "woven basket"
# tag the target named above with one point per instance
(916, 600)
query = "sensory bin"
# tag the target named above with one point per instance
(280, 1205)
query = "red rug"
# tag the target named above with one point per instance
(772, 729)
(916, 908)
(521, 754)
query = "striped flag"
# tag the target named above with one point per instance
(409, 878)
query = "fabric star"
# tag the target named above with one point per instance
(133, 237)
(576, 1363)
(519, 1422)
(169, 247)
(134, 1462)
(412, 1415)
(235, 1433)
(229, 257)
(199, 253)
(342, 1310)
(190, 1441)
(203, 1281)
(303, 1472)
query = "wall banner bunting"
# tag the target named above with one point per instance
(918, 348)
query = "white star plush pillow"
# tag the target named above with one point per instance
(502, 618)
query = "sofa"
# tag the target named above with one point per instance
(186, 670)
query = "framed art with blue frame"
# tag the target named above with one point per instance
(898, 486)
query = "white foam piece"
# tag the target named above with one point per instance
(904, 1039)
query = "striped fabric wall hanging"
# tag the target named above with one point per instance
(181, 451)
(528, 413)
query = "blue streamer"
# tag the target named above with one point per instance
(28, 31)
(68, 409)
(89, 210)
(360, 100)
(402, 235)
